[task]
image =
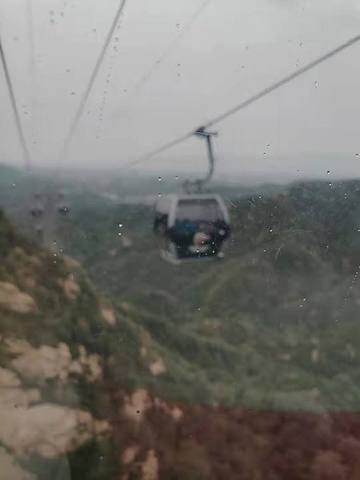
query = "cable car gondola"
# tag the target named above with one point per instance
(63, 207)
(37, 208)
(192, 226)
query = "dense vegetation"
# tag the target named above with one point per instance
(268, 338)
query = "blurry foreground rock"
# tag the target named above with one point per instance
(11, 298)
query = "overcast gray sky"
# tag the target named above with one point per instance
(232, 50)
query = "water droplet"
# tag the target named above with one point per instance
(159, 195)
(329, 184)
(357, 154)
(301, 44)
(72, 93)
(176, 177)
(270, 230)
(328, 172)
(159, 179)
(178, 25)
(120, 225)
(14, 184)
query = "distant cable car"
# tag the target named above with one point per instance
(63, 207)
(192, 227)
(37, 209)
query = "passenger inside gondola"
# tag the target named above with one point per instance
(199, 229)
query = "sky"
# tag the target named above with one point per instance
(195, 66)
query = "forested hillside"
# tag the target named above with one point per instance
(273, 325)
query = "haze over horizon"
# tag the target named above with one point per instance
(206, 65)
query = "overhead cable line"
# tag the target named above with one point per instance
(282, 82)
(249, 101)
(170, 47)
(32, 66)
(80, 109)
(26, 153)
